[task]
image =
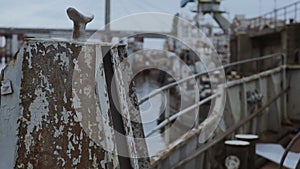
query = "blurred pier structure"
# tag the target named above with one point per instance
(11, 39)
(277, 31)
(275, 19)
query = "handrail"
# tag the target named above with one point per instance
(228, 131)
(182, 112)
(281, 8)
(282, 12)
(177, 114)
(168, 86)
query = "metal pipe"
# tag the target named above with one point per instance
(228, 132)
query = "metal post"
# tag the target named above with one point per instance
(107, 15)
(236, 154)
(284, 15)
(284, 85)
(8, 48)
(244, 106)
(275, 19)
(251, 151)
(107, 36)
(275, 13)
(167, 115)
(197, 98)
(265, 19)
(295, 12)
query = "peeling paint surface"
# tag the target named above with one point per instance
(48, 115)
(129, 108)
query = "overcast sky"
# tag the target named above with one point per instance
(51, 14)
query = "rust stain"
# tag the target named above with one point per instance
(50, 134)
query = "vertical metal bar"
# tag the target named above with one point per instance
(277, 119)
(197, 99)
(257, 67)
(260, 24)
(167, 115)
(244, 107)
(284, 85)
(284, 15)
(259, 119)
(275, 18)
(265, 19)
(107, 15)
(295, 18)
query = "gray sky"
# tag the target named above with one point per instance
(51, 14)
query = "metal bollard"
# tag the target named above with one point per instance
(251, 138)
(236, 154)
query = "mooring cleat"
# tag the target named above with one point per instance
(80, 22)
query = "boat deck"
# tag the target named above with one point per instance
(295, 148)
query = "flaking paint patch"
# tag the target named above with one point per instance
(28, 58)
(88, 58)
(39, 110)
(76, 67)
(28, 142)
(58, 132)
(104, 161)
(65, 115)
(70, 145)
(45, 84)
(78, 117)
(62, 160)
(76, 161)
(55, 118)
(95, 164)
(64, 61)
(87, 91)
(76, 101)
(65, 98)
(30, 166)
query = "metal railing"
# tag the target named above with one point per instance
(167, 87)
(168, 120)
(235, 127)
(228, 131)
(197, 75)
(277, 18)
